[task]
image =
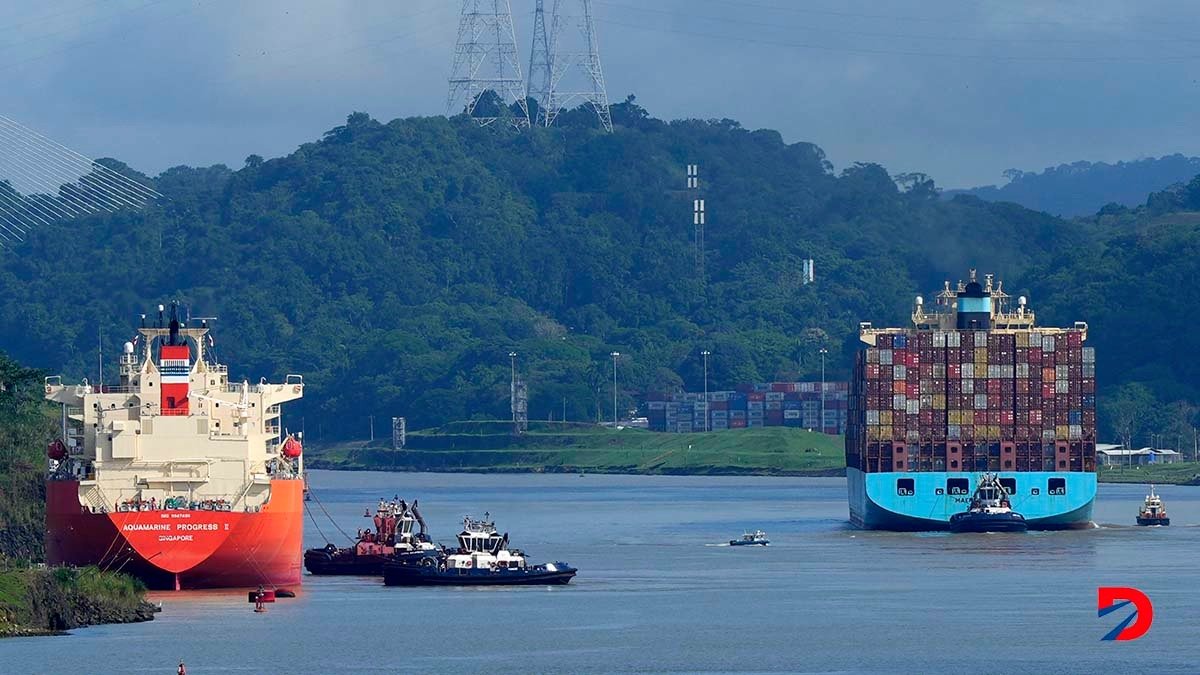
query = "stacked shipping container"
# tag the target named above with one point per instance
(793, 404)
(962, 400)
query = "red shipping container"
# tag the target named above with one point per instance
(993, 386)
(993, 401)
(1048, 390)
(993, 417)
(899, 387)
(1007, 417)
(756, 396)
(1035, 355)
(718, 405)
(1022, 386)
(737, 423)
(980, 417)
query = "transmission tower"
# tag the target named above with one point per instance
(574, 62)
(539, 64)
(485, 58)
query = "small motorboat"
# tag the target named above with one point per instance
(990, 510)
(1153, 512)
(482, 559)
(755, 538)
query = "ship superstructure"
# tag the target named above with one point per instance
(972, 386)
(177, 474)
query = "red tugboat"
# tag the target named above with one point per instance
(176, 475)
(391, 539)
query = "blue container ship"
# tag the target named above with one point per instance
(972, 386)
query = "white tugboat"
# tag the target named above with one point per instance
(482, 559)
(1153, 512)
(990, 510)
(755, 538)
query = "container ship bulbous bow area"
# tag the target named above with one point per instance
(176, 475)
(972, 386)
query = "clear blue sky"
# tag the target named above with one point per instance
(959, 89)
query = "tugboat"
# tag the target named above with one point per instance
(990, 510)
(756, 538)
(392, 538)
(482, 559)
(1153, 512)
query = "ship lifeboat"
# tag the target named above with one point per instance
(292, 448)
(56, 450)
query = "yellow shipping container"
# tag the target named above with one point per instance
(1022, 339)
(981, 370)
(885, 417)
(939, 401)
(1062, 431)
(981, 355)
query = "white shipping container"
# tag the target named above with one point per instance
(939, 339)
(872, 417)
(899, 372)
(914, 406)
(1089, 354)
(899, 402)
(657, 405)
(791, 414)
(774, 395)
(968, 386)
(1062, 372)
(981, 401)
(1023, 370)
(953, 339)
(1089, 370)
(885, 357)
(1062, 387)
(1047, 343)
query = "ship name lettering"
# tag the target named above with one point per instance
(175, 537)
(130, 527)
(196, 526)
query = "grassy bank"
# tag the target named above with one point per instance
(487, 447)
(547, 447)
(41, 601)
(1180, 473)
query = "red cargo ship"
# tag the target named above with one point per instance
(175, 475)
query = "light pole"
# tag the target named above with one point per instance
(614, 356)
(705, 354)
(823, 353)
(512, 387)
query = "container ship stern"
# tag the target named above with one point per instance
(973, 386)
(175, 475)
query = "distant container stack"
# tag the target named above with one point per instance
(971, 388)
(771, 404)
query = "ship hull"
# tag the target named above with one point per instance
(876, 502)
(414, 575)
(181, 549)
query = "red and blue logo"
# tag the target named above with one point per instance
(1111, 598)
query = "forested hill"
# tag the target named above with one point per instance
(1083, 188)
(396, 265)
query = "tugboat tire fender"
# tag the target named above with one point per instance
(330, 549)
(427, 562)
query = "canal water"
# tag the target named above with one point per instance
(657, 592)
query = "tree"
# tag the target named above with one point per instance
(1127, 409)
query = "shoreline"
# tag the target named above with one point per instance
(321, 465)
